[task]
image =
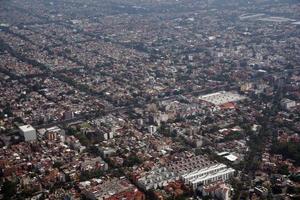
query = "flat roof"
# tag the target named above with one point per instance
(223, 153)
(231, 157)
(26, 128)
(205, 170)
(222, 97)
(212, 175)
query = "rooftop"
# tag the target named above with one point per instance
(26, 128)
(222, 97)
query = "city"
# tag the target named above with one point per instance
(149, 99)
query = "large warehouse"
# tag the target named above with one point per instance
(222, 97)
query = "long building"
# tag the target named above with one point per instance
(156, 178)
(208, 175)
(194, 171)
(222, 97)
(199, 170)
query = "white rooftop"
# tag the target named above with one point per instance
(213, 175)
(222, 97)
(223, 153)
(231, 157)
(26, 128)
(205, 170)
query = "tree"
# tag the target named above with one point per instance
(7, 110)
(295, 178)
(288, 150)
(289, 66)
(57, 164)
(9, 189)
(94, 150)
(208, 197)
(283, 170)
(19, 120)
(71, 131)
(276, 190)
(293, 190)
(132, 160)
(83, 139)
(86, 175)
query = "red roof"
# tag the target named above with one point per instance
(228, 105)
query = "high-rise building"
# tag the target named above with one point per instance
(28, 132)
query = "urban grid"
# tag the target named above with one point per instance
(149, 99)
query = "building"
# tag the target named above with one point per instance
(107, 151)
(287, 104)
(152, 129)
(157, 178)
(111, 188)
(52, 133)
(68, 115)
(199, 170)
(218, 189)
(261, 191)
(108, 135)
(28, 132)
(93, 164)
(222, 97)
(229, 156)
(207, 175)
(246, 87)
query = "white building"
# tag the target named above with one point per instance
(108, 135)
(111, 135)
(28, 132)
(209, 174)
(152, 129)
(222, 97)
(157, 178)
(288, 104)
(199, 170)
